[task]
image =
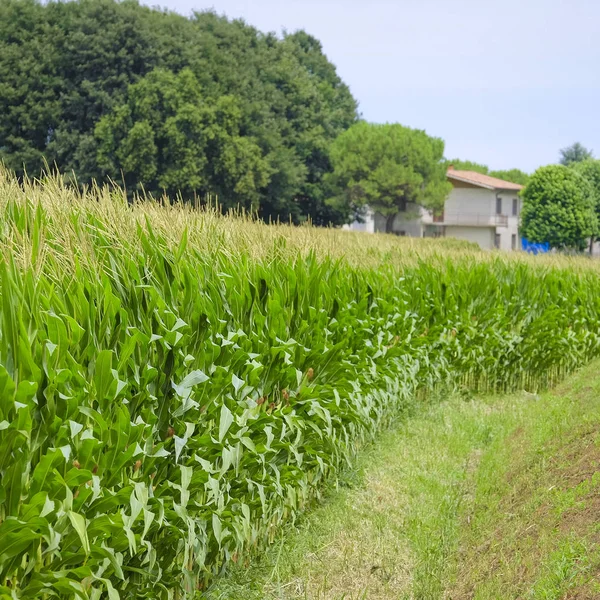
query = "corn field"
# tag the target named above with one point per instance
(175, 384)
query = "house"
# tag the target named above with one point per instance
(479, 208)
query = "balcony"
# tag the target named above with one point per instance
(470, 219)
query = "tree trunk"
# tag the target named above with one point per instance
(591, 245)
(389, 223)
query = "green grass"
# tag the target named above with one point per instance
(485, 498)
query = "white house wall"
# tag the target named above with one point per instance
(408, 227)
(409, 223)
(467, 201)
(506, 233)
(367, 226)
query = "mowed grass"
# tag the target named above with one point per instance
(477, 498)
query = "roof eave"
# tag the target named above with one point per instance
(471, 182)
(483, 185)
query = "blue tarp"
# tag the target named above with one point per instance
(534, 248)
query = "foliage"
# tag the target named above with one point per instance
(67, 66)
(174, 386)
(590, 170)
(558, 208)
(166, 137)
(512, 175)
(332, 109)
(574, 153)
(467, 165)
(386, 167)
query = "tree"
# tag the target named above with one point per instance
(467, 165)
(386, 167)
(558, 208)
(28, 99)
(166, 138)
(574, 153)
(590, 169)
(512, 175)
(65, 66)
(331, 111)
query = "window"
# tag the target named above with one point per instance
(515, 211)
(498, 205)
(497, 241)
(513, 241)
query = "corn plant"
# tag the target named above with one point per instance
(176, 385)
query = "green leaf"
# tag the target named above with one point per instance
(224, 422)
(7, 391)
(16, 537)
(75, 428)
(42, 473)
(103, 375)
(217, 528)
(194, 378)
(237, 383)
(80, 526)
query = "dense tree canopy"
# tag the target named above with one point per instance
(72, 77)
(590, 169)
(387, 166)
(512, 175)
(558, 208)
(166, 137)
(468, 165)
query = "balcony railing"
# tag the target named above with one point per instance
(471, 219)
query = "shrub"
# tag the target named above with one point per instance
(558, 208)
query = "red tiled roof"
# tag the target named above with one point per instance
(491, 183)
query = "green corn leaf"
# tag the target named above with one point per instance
(103, 375)
(80, 526)
(7, 391)
(42, 474)
(224, 422)
(133, 336)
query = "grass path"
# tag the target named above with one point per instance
(481, 498)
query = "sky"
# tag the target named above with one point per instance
(505, 83)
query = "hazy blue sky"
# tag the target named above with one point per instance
(504, 82)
